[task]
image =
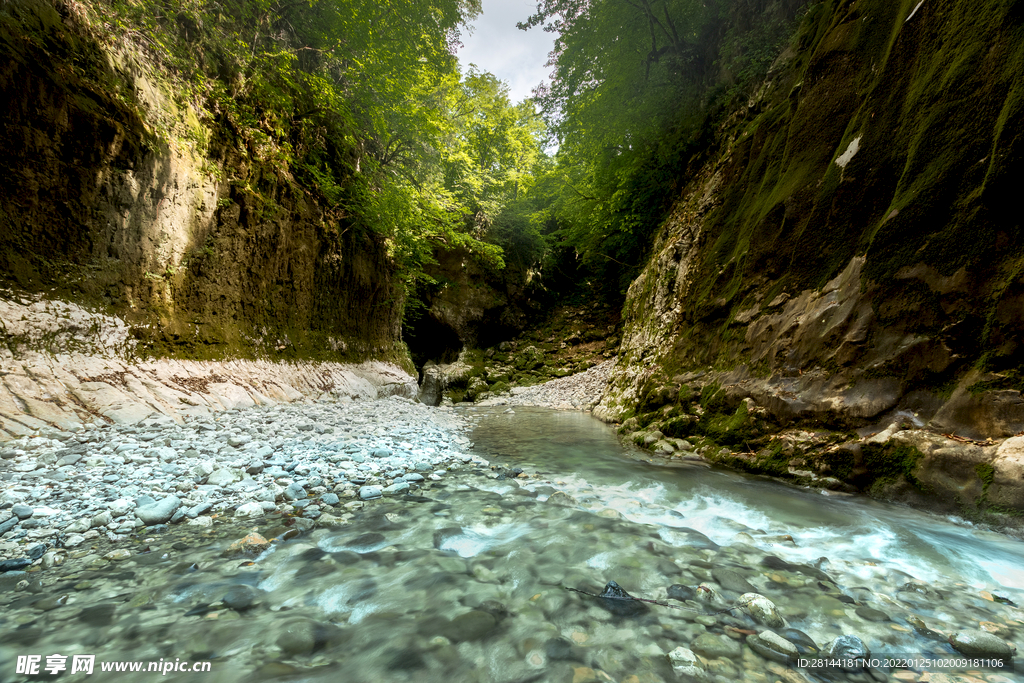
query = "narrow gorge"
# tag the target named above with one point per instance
(324, 359)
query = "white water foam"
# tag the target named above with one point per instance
(866, 546)
(480, 538)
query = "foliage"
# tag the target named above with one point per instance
(636, 91)
(360, 101)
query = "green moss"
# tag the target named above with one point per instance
(734, 429)
(840, 463)
(773, 459)
(500, 387)
(986, 473)
(890, 462)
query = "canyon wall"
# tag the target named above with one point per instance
(848, 255)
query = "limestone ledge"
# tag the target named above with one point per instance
(43, 391)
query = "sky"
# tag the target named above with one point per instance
(496, 45)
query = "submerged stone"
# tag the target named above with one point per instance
(619, 602)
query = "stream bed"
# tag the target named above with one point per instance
(466, 580)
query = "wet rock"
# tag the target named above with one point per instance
(762, 610)
(981, 643)
(22, 511)
(563, 649)
(772, 646)
(682, 593)
(50, 602)
(252, 544)
(471, 626)
(685, 664)
(804, 644)
(713, 646)
(732, 580)
(301, 636)
(98, 615)
(870, 614)
(847, 648)
(8, 524)
(14, 565)
(707, 593)
(240, 598)
(694, 539)
(366, 541)
(563, 499)
(620, 603)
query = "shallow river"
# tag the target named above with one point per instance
(466, 580)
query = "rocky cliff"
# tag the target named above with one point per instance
(847, 256)
(137, 228)
(122, 195)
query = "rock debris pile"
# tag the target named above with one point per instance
(581, 391)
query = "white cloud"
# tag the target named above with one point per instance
(496, 45)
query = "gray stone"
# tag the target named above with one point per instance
(368, 492)
(240, 598)
(8, 525)
(474, 625)
(762, 610)
(847, 648)
(732, 580)
(330, 499)
(102, 519)
(980, 643)
(71, 459)
(870, 614)
(144, 500)
(120, 507)
(223, 477)
(432, 388)
(772, 646)
(22, 511)
(199, 509)
(239, 440)
(381, 452)
(397, 487)
(252, 509)
(294, 491)
(412, 476)
(714, 646)
(298, 637)
(563, 499)
(160, 512)
(685, 664)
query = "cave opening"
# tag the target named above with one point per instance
(430, 339)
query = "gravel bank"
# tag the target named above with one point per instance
(63, 488)
(581, 391)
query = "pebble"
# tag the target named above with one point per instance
(253, 461)
(581, 391)
(980, 643)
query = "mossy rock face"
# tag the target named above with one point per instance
(851, 222)
(529, 359)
